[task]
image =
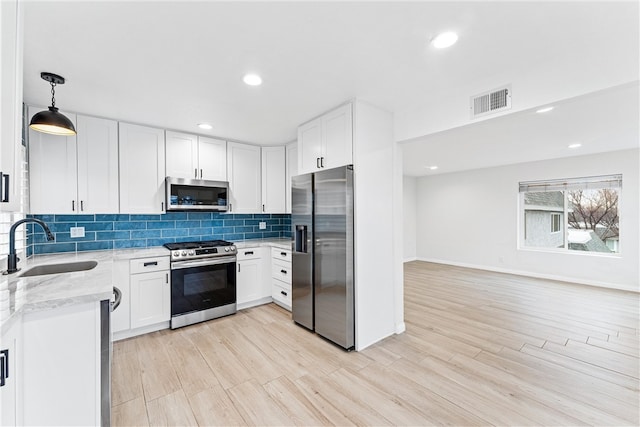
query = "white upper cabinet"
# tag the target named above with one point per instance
(326, 142)
(10, 105)
(97, 153)
(53, 176)
(74, 174)
(212, 158)
(195, 157)
(273, 180)
(243, 169)
(292, 170)
(142, 169)
(181, 155)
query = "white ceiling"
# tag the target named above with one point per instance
(176, 64)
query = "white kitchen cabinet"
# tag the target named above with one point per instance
(273, 180)
(281, 277)
(97, 155)
(252, 289)
(292, 170)
(195, 157)
(243, 168)
(212, 158)
(11, 66)
(74, 174)
(10, 343)
(61, 382)
(150, 287)
(53, 172)
(142, 169)
(327, 141)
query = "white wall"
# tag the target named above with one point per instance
(471, 219)
(409, 185)
(377, 175)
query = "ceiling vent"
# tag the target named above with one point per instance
(491, 102)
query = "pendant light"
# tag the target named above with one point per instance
(52, 121)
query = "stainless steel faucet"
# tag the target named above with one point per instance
(12, 259)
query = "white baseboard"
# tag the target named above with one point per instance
(537, 275)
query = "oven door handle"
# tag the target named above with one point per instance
(201, 263)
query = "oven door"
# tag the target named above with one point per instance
(202, 284)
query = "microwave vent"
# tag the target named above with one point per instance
(491, 102)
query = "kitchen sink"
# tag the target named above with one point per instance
(68, 267)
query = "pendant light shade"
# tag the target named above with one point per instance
(52, 121)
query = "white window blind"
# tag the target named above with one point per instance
(585, 183)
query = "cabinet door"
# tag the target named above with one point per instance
(141, 169)
(273, 180)
(150, 298)
(212, 159)
(182, 155)
(337, 136)
(10, 105)
(249, 281)
(243, 167)
(8, 397)
(310, 146)
(292, 170)
(53, 178)
(97, 165)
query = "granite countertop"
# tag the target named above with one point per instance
(282, 243)
(20, 295)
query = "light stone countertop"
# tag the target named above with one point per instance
(20, 295)
(282, 243)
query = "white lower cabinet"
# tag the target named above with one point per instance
(61, 358)
(281, 277)
(10, 343)
(150, 286)
(250, 283)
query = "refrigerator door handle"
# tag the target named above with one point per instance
(301, 239)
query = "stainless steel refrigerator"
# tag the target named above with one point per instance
(322, 261)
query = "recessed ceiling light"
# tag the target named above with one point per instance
(252, 79)
(576, 145)
(206, 126)
(431, 167)
(544, 110)
(444, 40)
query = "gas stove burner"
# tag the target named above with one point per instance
(204, 249)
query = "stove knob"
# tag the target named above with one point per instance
(233, 248)
(226, 248)
(176, 254)
(191, 253)
(184, 253)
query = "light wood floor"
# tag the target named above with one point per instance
(480, 348)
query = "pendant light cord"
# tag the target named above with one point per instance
(53, 94)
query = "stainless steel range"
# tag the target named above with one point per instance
(203, 281)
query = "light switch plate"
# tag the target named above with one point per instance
(262, 225)
(77, 231)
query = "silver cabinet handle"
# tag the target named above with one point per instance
(321, 162)
(4, 184)
(318, 162)
(200, 173)
(73, 205)
(263, 208)
(195, 173)
(82, 205)
(162, 206)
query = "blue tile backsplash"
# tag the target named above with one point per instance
(119, 231)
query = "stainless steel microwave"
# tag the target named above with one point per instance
(196, 195)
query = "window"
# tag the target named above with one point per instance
(555, 222)
(587, 208)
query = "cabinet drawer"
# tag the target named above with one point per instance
(281, 294)
(282, 254)
(147, 265)
(248, 253)
(281, 271)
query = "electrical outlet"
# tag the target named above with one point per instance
(263, 225)
(77, 231)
